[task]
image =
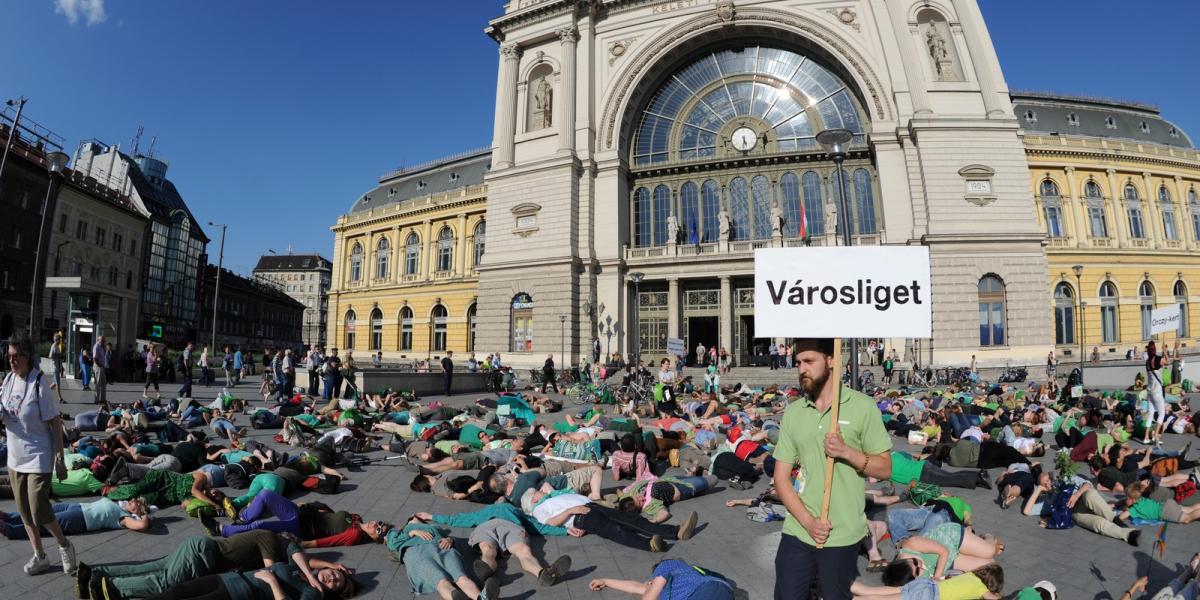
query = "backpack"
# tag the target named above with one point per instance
(238, 475)
(1060, 514)
(1184, 491)
(764, 512)
(322, 484)
(921, 493)
(1164, 466)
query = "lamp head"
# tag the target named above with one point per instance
(562, 318)
(1078, 269)
(636, 277)
(835, 141)
(56, 162)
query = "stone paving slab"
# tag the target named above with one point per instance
(1083, 565)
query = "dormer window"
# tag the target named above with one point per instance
(1031, 116)
(1145, 128)
(1110, 123)
(391, 192)
(1173, 132)
(1073, 120)
(453, 176)
(421, 184)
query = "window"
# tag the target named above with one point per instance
(1181, 298)
(689, 209)
(412, 254)
(129, 280)
(760, 189)
(439, 329)
(1146, 296)
(62, 223)
(814, 206)
(480, 238)
(383, 253)
(739, 208)
(1064, 314)
(471, 322)
(662, 210)
(991, 311)
(16, 238)
(710, 209)
(1136, 229)
(1144, 127)
(81, 230)
(1168, 213)
(445, 250)
(1111, 123)
(406, 328)
(789, 197)
(351, 318)
(521, 329)
(356, 259)
(376, 330)
(641, 217)
(1195, 209)
(1030, 116)
(1052, 207)
(864, 203)
(100, 236)
(1073, 120)
(1109, 330)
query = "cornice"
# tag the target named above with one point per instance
(404, 214)
(1109, 155)
(536, 10)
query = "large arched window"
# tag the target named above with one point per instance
(991, 311)
(1181, 298)
(1064, 314)
(406, 328)
(1146, 298)
(521, 329)
(1110, 330)
(480, 231)
(376, 330)
(710, 208)
(662, 211)
(789, 198)
(471, 321)
(1052, 209)
(1133, 207)
(356, 261)
(445, 250)
(382, 254)
(1094, 199)
(1194, 207)
(689, 209)
(739, 208)
(412, 254)
(760, 190)
(438, 324)
(1168, 214)
(814, 207)
(350, 323)
(641, 218)
(864, 203)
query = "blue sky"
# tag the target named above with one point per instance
(276, 114)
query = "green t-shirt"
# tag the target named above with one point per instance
(307, 419)
(1146, 509)
(905, 468)
(1104, 441)
(802, 443)
(79, 482)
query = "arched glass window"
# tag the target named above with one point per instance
(1146, 297)
(1049, 189)
(814, 207)
(1181, 298)
(521, 329)
(376, 330)
(356, 260)
(836, 191)
(864, 203)
(1064, 314)
(382, 255)
(662, 210)
(406, 328)
(739, 208)
(1168, 213)
(710, 208)
(1095, 207)
(789, 197)
(438, 339)
(689, 208)
(760, 189)
(991, 311)
(445, 250)
(480, 231)
(1133, 207)
(350, 322)
(1131, 193)
(412, 254)
(1194, 206)
(641, 218)
(471, 312)
(1052, 209)
(1109, 318)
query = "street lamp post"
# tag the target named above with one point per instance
(834, 141)
(12, 133)
(1078, 269)
(636, 352)
(55, 163)
(562, 339)
(217, 287)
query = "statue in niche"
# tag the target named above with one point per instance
(723, 218)
(543, 104)
(778, 221)
(672, 230)
(830, 218)
(943, 65)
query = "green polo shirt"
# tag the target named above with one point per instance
(802, 443)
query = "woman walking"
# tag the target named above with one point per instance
(151, 372)
(56, 356)
(35, 451)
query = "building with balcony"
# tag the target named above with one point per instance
(306, 278)
(405, 262)
(1116, 188)
(251, 314)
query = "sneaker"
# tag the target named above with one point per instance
(688, 527)
(108, 591)
(491, 589)
(37, 565)
(982, 480)
(230, 510)
(553, 573)
(83, 574)
(657, 544)
(482, 570)
(67, 554)
(210, 525)
(1134, 538)
(94, 590)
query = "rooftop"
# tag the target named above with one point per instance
(434, 177)
(292, 262)
(1062, 114)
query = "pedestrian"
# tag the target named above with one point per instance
(596, 350)
(1154, 390)
(701, 353)
(377, 360)
(205, 374)
(349, 374)
(227, 366)
(151, 357)
(101, 362)
(35, 451)
(239, 363)
(185, 390)
(548, 376)
(315, 362)
(1051, 366)
(773, 352)
(785, 353)
(57, 353)
(447, 373)
(330, 370)
(85, 369)
(813, 548)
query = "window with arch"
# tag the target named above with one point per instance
(412, 254)
(1133, 207)
(521, 319)
(689, 210)
(382, 255)
(539, 93)
(471, 321)
(641, 218)
(1094, 199)
(376, 330)
(438, 339)
(445, 250)
(1052, 209)
(350, 322)
(1064, 314)
(662, 211)
(356, 261)
(814, 205)
(1109, 318)
(406, 328)
(760, 191)
(1194, 206)
(789, 199)
(739, 208)
(991, 311)
(710, 208)
(1181, 298)
(864, 203)
(1146, 298)
(480, 231)
(1167, 208)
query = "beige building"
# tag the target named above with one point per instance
(306, 278)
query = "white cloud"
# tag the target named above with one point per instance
(91, 11)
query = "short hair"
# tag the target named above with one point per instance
(21, 344)
(897, 573)
(992, 576)
(822, 345)
(420, 484)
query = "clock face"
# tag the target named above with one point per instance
(744, 139)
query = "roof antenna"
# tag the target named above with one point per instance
(150, 151)
(137, 138)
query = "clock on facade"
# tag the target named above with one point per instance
(744, 139)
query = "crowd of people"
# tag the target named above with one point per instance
(516, 464)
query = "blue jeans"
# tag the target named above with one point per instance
(903, 523)
(696, 486)
(70, 518)
(327, 388)
(223, 427)
(85, 374)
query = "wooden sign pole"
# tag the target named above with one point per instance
(833, 428)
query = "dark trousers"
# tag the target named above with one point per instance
(314, 378)
(797, 565)
(936, 475)
(1068, 439)
(627, 529)
(728, 465)
(994, 455)
(549, 380)
(447, 383)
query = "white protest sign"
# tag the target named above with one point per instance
(1166, 318)
(859, 291)
(675, 347)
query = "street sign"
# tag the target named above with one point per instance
(1166, 318)
(675, 347)
(156, 331)
(847, 292)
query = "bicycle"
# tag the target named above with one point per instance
(634, 394)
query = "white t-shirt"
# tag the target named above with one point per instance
(28, 406)
(335, 436)
(1024, 445)
(552, 507)
(667, 377)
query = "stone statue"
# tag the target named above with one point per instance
(543, 105)
(777, 219)
(672, 229)
(723, 218)
(830, 218)
(942, 64)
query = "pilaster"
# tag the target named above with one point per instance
(568, 40)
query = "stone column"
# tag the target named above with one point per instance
(460, 251)
(725, 321)
(979, 45)
(1183, 214)
(1120, 219)
(565, 107)
(426, 261)
(506, 105)
(1154, 229)
(673, 307)
(1077, 209)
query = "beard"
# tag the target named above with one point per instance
(813, 386)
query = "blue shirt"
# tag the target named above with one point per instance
(683, 580)
(237, 359)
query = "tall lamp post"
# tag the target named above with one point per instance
(636, 278)
(1078, 269)
(55, 163)
(835, 141)
(217, 287)
(562, 338)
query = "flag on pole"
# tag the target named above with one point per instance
(803, 226)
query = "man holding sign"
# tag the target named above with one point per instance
(815, 545)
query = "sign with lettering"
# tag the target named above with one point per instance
(1166, 318)
(859, 291)
(675, 347)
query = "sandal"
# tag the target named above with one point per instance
(1008, 501)
(877, 566)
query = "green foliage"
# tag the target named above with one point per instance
(1065, 468)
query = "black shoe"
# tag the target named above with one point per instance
(482, 570)
(210, 525)
(1119, 522)
(554, 572)
(491, 589)
(83, 576)
(1135, 536)
(983, 480)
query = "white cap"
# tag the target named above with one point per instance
(1049, 587)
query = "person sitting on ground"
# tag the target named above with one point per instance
(566, 509)
(672, 579)
(434, 566)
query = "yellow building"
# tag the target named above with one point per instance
(1116, 188)
(405, 260)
